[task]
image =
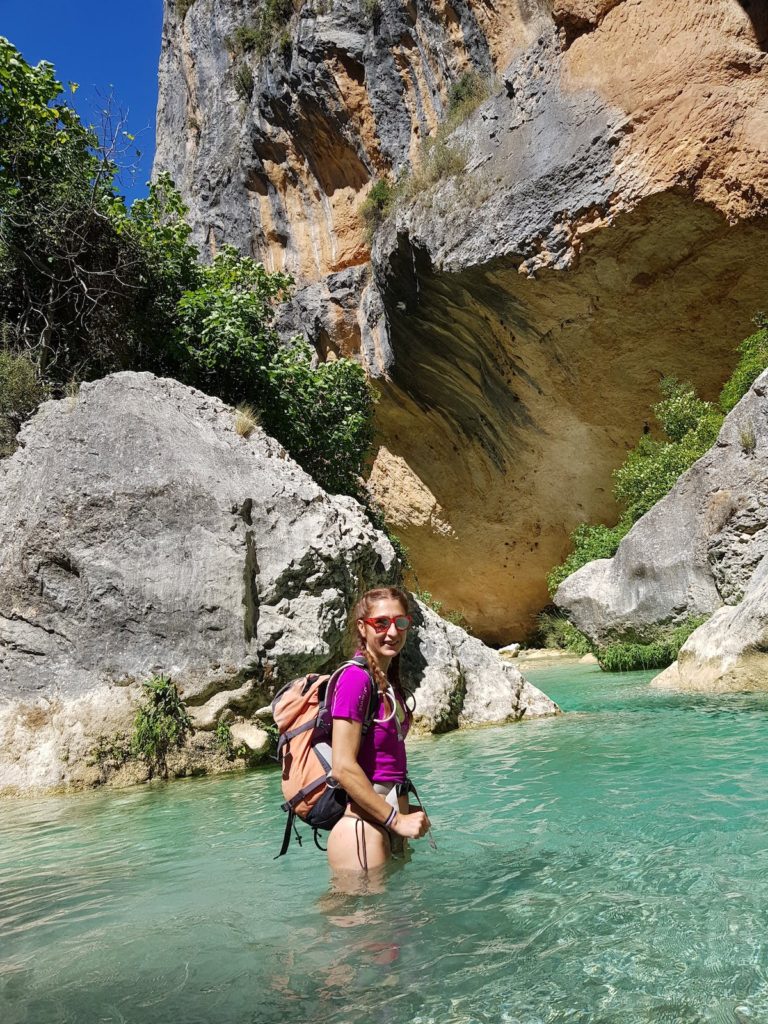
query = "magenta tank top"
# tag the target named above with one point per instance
(382, 752)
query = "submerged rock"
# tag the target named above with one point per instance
(140, 534)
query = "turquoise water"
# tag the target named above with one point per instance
(609, 866)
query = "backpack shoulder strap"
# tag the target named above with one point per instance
(373, 697)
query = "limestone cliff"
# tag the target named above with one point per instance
(603, 224)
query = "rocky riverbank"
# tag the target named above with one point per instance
(142, 533)
(702, 550)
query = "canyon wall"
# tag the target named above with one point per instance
(600, 222)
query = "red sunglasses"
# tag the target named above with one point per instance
(382, 623)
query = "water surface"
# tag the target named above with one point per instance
(608, 867)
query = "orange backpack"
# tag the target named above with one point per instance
(302, 713)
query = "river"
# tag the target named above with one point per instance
(609, 866)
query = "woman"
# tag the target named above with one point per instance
(372, 767)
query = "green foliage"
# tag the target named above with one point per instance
(752, 361)
(223, 334)
(160, 724)
(269, 28)
(655, 653)
(243, 81)
(465, 95)
(223, 741)
(556, 631)
(222, 738)
(323, 414)
(649, 472)
(377, 204)
(589, 543)
(20, 394)
(371, 8)
(244, 39)
(182, 8)
(88, 286)
(91, 287)
(652, 467)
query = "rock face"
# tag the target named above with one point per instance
(701, 549)
(729, 652)
(608, 227)
(695, 550)
(459, 681)
(141, 534)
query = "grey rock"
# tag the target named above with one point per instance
(141, 534)
(694, 551)
(459, 681)
(255, 739)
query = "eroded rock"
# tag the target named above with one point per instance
(459, 681)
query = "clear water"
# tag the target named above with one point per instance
(610, 866)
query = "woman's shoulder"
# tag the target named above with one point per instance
(354, 674)
(352, 693)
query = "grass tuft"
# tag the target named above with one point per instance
(246, 419)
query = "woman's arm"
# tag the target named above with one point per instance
(347, 735)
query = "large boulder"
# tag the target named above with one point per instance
(695, 551)
(459, 681)
(141, 534)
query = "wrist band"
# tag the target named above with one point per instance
(391, 818)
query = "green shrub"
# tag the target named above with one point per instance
(752, 361)
(556, 631)
(243, 81)
(160, 724)
(65, 233)
(322, 414)
(649, 472)
(182, 8)
(658, 652)
(377, 205)
(20, 394)
(465, 95)
(371, 8)
(244, 39)
(269, 28)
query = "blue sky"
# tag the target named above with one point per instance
(104, 47)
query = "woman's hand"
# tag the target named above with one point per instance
(410, 826)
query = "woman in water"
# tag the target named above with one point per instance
(372, 768)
